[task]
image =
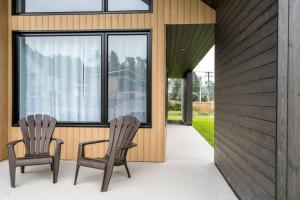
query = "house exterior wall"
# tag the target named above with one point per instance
(246, 96)
(3, 77)
(288, 137)
(151, 141)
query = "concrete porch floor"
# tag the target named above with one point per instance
(188, 173)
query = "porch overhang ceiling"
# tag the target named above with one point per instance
(212, 3)
(186, 46)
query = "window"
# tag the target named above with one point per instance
(75, 6)
(60, 76)
(119, 5)
(68, 76)
(57, 6)
(127, 77)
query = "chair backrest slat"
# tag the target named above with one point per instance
(125, 136)
(31, 129)
(24, 130)
(49, 134)
(45, 126)
(37, 131)
(125, 128)
(131, 132)
(122, 132)
(117, 133)
(113, 124)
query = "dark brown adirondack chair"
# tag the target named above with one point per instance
(37, 131)
(122, 132)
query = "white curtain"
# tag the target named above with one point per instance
(61, 76)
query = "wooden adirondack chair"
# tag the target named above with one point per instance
(122, 132)
(37, 131)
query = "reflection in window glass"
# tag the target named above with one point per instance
(127, 76)
(32, 6)
(61, 76)
(120, 5)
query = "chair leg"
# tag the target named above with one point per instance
(107, 175)
(22, 169)
(55, 171)
(127, 169)
(12, 172)
(76, 174)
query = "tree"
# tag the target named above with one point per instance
(175, 93)
(196, 87)
(130, 63)
(114, 63)
(141, 67)
(208, 92)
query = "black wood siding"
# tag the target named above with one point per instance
(246, 96)
(288, 126)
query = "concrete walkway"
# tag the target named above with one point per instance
(188, 173)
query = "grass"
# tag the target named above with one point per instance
(174, 115)
(205, 126)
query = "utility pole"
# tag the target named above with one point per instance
(208, 83)
(200, 94)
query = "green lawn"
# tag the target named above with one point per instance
(174, 115)
(205, 126)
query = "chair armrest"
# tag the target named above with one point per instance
(92, 142)
(83, 144)
(14, 143)
(58, 141)
(127, 146)
(11, 151)
(57, 151)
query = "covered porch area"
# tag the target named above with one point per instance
(188, 173)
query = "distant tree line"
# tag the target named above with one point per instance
(200, 89)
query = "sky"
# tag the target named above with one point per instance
(207, 64)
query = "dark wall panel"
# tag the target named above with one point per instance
(288, 142)
(187, 104)
(246, 96)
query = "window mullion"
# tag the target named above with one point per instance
(104, 80)
(105, 7)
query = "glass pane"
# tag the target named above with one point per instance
(61, 76)
(31, 6)
(127, 76)
(119, 5)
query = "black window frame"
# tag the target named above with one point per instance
(104, 10)
(104, 73)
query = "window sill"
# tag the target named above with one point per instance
(83, 13)
(86, 125)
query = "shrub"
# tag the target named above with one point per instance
(174, 105)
